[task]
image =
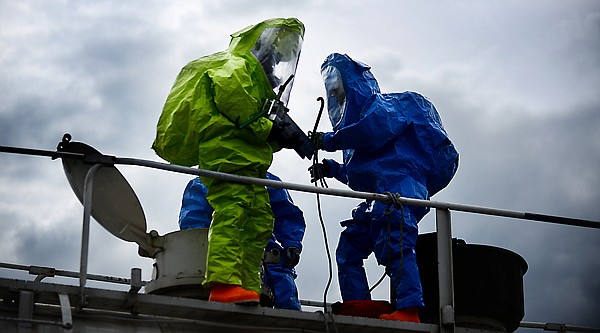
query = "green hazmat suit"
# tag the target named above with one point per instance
(212, 118)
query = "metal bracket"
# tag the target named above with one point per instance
(447, 315)
(154, 244)
(555, 327)
(65, 309)
(41, 272)
(272, 257)
(136, 285)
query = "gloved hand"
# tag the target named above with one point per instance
(292, 256)
(319, 170)
(290, 142)
(277, 130)
(316, 138)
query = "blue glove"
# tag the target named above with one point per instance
(292, 256)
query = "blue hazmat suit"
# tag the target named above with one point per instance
(289, 227)
(391, 143)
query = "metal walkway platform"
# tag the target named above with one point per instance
(30, 306)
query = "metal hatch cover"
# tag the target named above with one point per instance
(114, 203)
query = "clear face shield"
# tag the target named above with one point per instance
(335, 94)
(278, 51)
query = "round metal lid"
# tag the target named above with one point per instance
(114, 203)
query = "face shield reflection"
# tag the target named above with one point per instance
(278, 51)
(336, 96)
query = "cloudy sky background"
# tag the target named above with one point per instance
(517, 85)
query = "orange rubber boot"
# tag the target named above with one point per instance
(230, 293)
(407, 314)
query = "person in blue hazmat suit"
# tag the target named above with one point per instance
(213, 117)
(391, 143)
(286, 240)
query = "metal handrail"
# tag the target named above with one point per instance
(42, 272)
(359, 195)
(112, 160)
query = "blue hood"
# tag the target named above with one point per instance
(359, 84)
(391, 142)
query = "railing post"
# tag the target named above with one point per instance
(85, 233)
(445, 270)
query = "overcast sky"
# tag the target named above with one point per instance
(517, 84)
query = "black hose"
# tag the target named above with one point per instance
(323, 184)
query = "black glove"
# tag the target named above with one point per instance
(290, 142)
(292, 256)
(319, 170)
(316, 138)
(277, 130)
(283, 139)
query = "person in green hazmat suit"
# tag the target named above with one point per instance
(213, 118)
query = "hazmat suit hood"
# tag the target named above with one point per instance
(349, 85)
(276, 44)
(387, 138)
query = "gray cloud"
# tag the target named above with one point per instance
(515, 84)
